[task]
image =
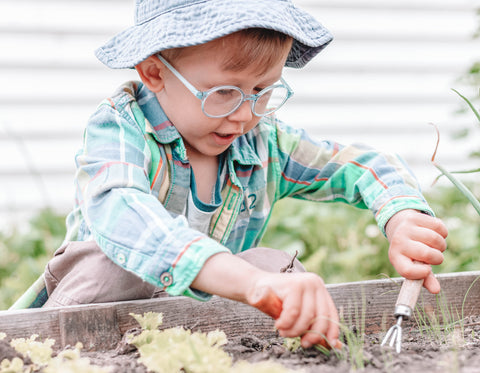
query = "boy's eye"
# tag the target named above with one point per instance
(225, 92)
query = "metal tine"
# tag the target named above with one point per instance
(388, 335)
(394, 336)
(407, 298)
(398, 346)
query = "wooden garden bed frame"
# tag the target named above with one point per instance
(100, 326)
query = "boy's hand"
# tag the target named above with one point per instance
(301, 305)
(299, 301)
(415, 236)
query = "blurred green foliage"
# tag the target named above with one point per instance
(337, 241)
(24, 253)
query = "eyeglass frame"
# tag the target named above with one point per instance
(202, 95)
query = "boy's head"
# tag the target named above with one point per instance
(203, 88)
(220, 57)
(169, 24)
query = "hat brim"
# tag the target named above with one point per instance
(168, 30)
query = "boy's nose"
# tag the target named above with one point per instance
(243, 113)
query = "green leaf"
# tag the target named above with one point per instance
(460, 186)
(469, 104)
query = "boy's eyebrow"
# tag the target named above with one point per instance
(263, 83)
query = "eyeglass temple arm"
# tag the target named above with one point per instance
(290, 90)
(185, 82)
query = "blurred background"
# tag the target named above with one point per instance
(386, 76)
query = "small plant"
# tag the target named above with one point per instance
(179, 350)
(39, 352)
(353, 352)
(38, 358)
(14, 366)
(292, 344)
(354, 338)
(70, 361)
(353, 334)
(445, 328)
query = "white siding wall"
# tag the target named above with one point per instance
(387, 74)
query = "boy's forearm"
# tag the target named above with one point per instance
(228, 276)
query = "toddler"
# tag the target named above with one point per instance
(179, 172)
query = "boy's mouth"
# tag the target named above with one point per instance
(223, 138)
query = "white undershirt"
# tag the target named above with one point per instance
(197, 219)
(200, 214)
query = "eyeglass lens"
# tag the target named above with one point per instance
(223, 101)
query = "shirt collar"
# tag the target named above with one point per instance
(242, 151)
(160, 126)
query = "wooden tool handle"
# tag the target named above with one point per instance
(409, 293)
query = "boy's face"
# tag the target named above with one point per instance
(203, 67)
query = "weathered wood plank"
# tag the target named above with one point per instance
(376, 299)
(100, 326)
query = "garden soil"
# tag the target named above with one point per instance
(430, 351)
(421, 352)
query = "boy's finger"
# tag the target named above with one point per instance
(324, 329)
(292, 307)
(334, 329)
(438, 226)
(408, 269)
(307, 314)
(431, 284)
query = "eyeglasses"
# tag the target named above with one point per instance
(221, 101)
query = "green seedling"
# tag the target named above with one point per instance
(447, 326)
(40, 358)
(442, 328)
(352, 352)
(353, 334)
(39, 352)
(180, 350)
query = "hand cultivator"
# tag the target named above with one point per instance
(403, 310)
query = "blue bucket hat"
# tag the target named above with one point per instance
(165, 24)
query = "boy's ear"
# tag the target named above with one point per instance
(151, 73)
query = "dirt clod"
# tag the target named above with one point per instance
(8, 352)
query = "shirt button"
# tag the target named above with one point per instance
(121, 258)
(166, 279)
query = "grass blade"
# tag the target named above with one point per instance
(460, 186)
(468, 103)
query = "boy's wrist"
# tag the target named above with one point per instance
(228, 276)
(393, 222)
